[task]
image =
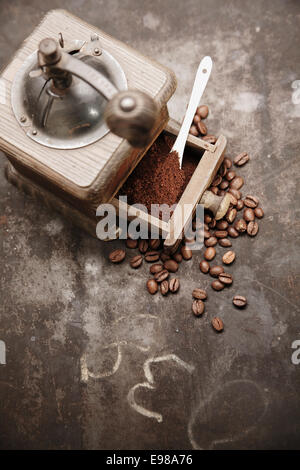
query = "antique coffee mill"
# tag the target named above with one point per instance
(78, 110)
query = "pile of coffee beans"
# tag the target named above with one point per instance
(241, 219)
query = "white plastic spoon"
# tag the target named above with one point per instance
(200, 82)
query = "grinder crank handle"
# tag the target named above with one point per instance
(130, 113)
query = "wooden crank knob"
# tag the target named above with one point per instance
(132, 114)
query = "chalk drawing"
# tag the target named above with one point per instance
(150, 381)
(202, 407)
(2, 352)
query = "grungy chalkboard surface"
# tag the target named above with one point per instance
(91, 360)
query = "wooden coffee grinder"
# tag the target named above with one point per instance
(78, 110)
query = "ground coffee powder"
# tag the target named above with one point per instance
(158, 178)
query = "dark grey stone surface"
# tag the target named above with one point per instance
(65, 308)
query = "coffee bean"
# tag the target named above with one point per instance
(207, 219)
(217, 285)
(171, 265)
(239, 301)
(161, 276)
(196, 119)
(186, 253)
(131, 243)
(209, 253)
(177, 257)
(202, 111)
(211, 139)
(164, 257)
(199, 294)
(232, 232)
(221, 233)
(217, 324)
(152, 286)
(117, 256)
(252, 228)
(230, 175)
(227, 162)
(233, 199)
(211, 241)
(248, 214)
(143, 246)
(214, 190)
(236, 193)
(222, 170)
(136, 261)
(174, 285)
(241, 159)
(240, 225)
(194, 130)
(164, 287)
(222, 225)
(216, 270)
(204, 267)
(217, 180)
(226, 278)
(240, 204)
(224, 184)
(206, 234)
(198, 307)
(230, 216)
(156, 268)
(228, 257)
(225, 242)
(151, 256)
(251, 201)
(154, 244)
(237, 182)
(213, 223)
(259, 213)
(202, 128)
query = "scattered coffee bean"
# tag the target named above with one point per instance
(206, 234)
(228, 257)
(225, 242)
(240, 225)
(217, 285)
(143, 246)
(152, 256)
(194, 130)
(240, 204)
(232, 232)
(164, 257)
(213, 223)
(252, 229)
(186, 253)
(211, 139)
(237, 182)
(136, 261)
(251, 201)
(209, 253)
(236, 193)
(202, 128)
(198, 307)
(248, 214)
(202, 111)
(164, 287)
(222, 225)
(156, 268)
(239, 301)
(152, 286)
(171, 265)
(174, 285)
(259, 213)
(221, 233)
(217, 180)
(233, 199)
(230, 175)
(222, 171)
(196, 119)
(211, 241)
(154, 244)
(241, 159)
(214, 189)
(216, 270)
(117, 256)
(161, 275)
(207, 219)
(204, 267)
(131, 243)
(226, 278)
(224, 184)
(177, 257)
(199, 294)
(217, 324)
(230, 215)
(227, 162)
